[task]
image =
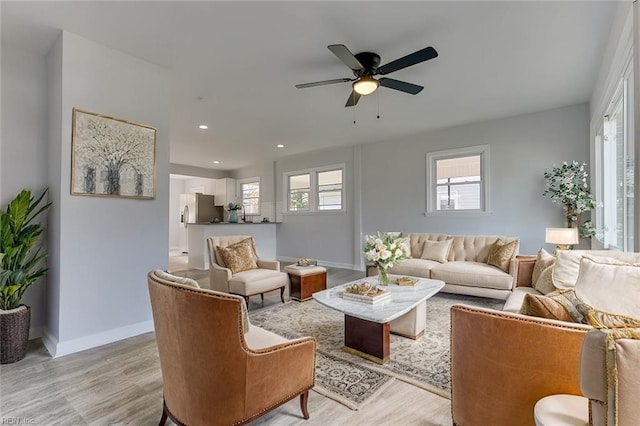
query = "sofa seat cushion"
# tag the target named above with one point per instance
(257, 281)
(514, 302)
(414, 267)
(259, 338)
(473, 274)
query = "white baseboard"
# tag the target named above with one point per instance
(323, 263)
(58, 349)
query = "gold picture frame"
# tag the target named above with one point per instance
(111, 157)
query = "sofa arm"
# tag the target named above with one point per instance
(522, 270)
(502, 363)
(610, 376)
(269, 264)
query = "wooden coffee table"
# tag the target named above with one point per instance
(367, 326)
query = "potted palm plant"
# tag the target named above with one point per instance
(20, 266)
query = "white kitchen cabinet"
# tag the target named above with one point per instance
(225, 191)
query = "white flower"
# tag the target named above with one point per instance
(383, 250)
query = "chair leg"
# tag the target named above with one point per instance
(304, 398)
(163, 419)
(246, 299)
(262, 297)
(282, 294)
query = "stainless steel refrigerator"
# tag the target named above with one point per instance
(196, 208)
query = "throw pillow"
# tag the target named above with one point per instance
(405, 244)
(436, 250)
(543, 261)
(238, 257)
(559, 305)
(247, 241)
(544, 307)
(501, 253)
(610, 291)
(544, 283)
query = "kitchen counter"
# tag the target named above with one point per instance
(234, 223)
(264, 234)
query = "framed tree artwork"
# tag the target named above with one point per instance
(112, 157)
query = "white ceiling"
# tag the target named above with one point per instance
(497, 59)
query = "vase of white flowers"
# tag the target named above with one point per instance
(567, 185)
(233, 208)
(384, 251)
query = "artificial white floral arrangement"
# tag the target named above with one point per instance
(384, 251)
(567, 185)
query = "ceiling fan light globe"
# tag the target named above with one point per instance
(365, 85)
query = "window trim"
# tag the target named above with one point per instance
(240, 182)
(313, 190)
(431, 178)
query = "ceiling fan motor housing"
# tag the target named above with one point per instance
(370, 61)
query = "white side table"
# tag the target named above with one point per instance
(562, 410)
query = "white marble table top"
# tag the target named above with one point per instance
(403, 299)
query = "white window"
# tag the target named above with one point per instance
(615, 172)
(457, 180)
(299, 189)
(314, 190)
(249, 190)
(330, 190)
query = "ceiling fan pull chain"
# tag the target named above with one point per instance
(354, 108)
(378, 98)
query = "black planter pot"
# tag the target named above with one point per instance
(14, 329)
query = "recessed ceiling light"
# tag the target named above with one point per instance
(216, 162)
(203, 126)
(279, 146)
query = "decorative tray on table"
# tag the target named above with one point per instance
(365, 292)
(306, 262)
(406, 281)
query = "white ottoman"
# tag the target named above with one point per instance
(306, 280)
(562, 410)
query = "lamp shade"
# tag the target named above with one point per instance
(562, 236)
(365, 85)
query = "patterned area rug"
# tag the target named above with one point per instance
(352, 380)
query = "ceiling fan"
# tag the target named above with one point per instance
(365, 66)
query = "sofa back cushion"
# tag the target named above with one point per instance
(567, 267)
(416, 241)
(611, 292)
(475, 248)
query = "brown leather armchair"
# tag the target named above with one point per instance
(216, 367)
(503, 363)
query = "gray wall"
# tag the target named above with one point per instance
(105, 246)
(385, 185)
(23, 145)
(393, 176)
(327, 237)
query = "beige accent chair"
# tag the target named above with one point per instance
(609, 378)
(217, 368)
(246, 283)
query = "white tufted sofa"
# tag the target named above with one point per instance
(466, 270)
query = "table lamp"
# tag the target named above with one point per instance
(563, 238)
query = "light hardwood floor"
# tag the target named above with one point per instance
(121, 383)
